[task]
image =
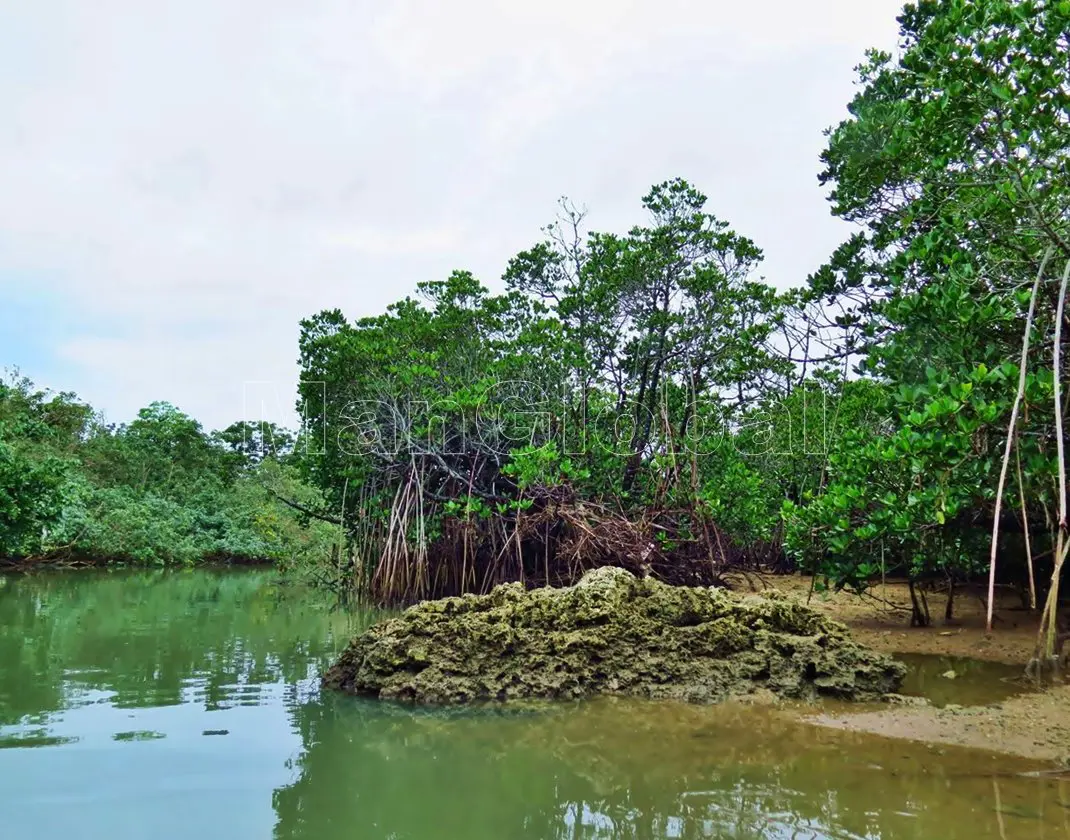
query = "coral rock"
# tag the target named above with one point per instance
(611, 633)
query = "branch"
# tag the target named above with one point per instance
(290, 503)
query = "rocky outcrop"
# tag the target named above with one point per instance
(611, 633)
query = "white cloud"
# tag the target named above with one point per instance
(203, 175)
(386, 243)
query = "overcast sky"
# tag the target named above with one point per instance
(181, 181)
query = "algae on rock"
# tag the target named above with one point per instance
(611, 633)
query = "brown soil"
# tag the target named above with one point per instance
(1035, 724)
(881, 619)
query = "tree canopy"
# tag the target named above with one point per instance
(647, 398)
(155, 491)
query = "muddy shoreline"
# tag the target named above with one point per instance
(1034, 724)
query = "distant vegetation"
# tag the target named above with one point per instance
(156, 491)
(647, 399)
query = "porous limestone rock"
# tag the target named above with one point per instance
(611, 633)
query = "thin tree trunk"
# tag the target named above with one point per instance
(1049, 629)
(1025, 530)
(1010, 438)
(919, 617)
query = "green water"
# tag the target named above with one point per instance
(185, 705)
(975, 682)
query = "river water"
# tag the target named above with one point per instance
(140, 705)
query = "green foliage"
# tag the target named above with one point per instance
(954, 159)
(607, 363)
(653, 376)
(37, 434)
(660, 374)
(31, 497)
(155, 492)
(906, 501)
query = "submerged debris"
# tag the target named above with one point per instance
(611, 633)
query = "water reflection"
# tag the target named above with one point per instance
(944, 680)
(90, 664)
(152, 639)
(622, 769)
(185, 705)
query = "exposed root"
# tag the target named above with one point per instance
(553, 541)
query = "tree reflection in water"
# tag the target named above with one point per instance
(127, 671)
(628, 769)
